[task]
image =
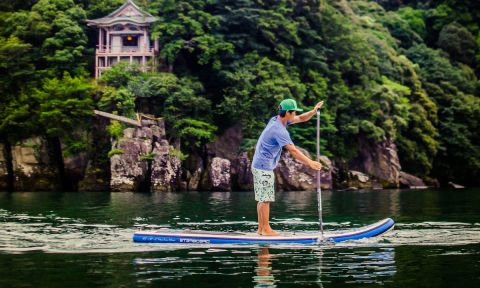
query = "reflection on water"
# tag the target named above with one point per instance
(264, 276)
(269, 266)
(89, 235)
(319, 265)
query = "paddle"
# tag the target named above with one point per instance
(319, 189)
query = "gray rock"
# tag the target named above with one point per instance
(128, 133)
(227, 145)
(158, 132)
(456, 186)
(183, 186)
(379, 160)
(432, 182)
(222, 156)
(127, 171)
(145, 159)
(291, 174)
(149, 122)
(410, 181)
(144, 132)
(242, 177)
(193, 180)
(358, 179)
(219, 174)
(32, 166)
(166, 169)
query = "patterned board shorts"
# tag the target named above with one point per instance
(264, 185)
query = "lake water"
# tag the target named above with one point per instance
(84, 240)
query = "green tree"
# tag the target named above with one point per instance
(181, 101)
(55, 28)
(415, 19)
(256, 85)
(16, 69)
(63, 103)
(458, 42)
(186, 28)
(63, 106)
(100, 8)
(453, 93)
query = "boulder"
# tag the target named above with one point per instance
(432, 182)
(144, 160)
(227, 145)
(225, 168)
(357, 179)
(193, 179)
(379, 160)
(241, 170)
(166, 168)
(410, 181)
(127, 170)
(456, 186)
(292, 174)
(217, 176)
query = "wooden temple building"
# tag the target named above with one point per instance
(123, 35)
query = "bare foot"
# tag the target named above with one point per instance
(270, 233)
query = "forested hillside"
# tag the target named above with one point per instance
(402, 71)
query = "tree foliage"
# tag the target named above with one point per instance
(399, 70)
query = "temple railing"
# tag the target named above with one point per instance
(124, 49)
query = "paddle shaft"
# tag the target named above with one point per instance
(319, 189)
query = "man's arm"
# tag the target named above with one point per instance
(297, 154)
(307, 115)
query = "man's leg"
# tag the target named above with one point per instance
(263, 183)
(265, 212)
(260, 218)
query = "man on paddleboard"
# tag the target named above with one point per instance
(267, 154)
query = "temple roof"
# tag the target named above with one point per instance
(128, 12)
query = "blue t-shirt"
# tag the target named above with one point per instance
(269, 145)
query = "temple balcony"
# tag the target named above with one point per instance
(127, 51)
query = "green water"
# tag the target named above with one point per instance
(84, 240)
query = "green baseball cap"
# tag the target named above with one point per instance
(289, 104)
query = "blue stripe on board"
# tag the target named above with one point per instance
(150, 238)
(375, 231)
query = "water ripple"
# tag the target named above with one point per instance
(53, 234)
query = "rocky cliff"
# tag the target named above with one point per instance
(228, 168)
(143, 160)
(379, 160)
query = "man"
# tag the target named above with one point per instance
(267, 153)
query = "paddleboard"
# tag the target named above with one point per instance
(207, 237)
